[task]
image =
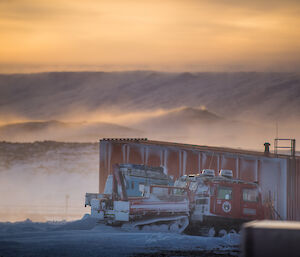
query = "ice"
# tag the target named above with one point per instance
(86, 237)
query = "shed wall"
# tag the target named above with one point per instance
(274, 175)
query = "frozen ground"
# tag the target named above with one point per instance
(86, 238)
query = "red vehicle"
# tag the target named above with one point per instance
(220, 204)
(141, 197)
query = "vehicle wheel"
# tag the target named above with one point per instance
(211, 232)
(164, 228)
(174, 227)
(232, 231)
(222, 233)
(147, 228)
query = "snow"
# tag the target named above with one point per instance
(228, 94)
(222, 109)
(87, 237)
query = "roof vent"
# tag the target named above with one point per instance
(267, 147)
(226, 173)
(208, 172)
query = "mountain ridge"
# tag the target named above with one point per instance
(55, 95)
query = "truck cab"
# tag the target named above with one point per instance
(221, 202)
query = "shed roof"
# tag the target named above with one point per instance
(145, 141)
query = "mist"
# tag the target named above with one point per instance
(107, 96)
(50, 124)
(36, 178)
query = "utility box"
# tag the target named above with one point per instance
(271, 238)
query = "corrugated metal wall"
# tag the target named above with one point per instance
(293, 190)
(273, 174)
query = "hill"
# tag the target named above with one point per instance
(59, 95)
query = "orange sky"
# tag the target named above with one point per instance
(196, 35)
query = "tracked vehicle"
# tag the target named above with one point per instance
(220, 204)
(145, 198)
(138, 197)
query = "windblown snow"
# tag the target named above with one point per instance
(36, 178)
(87, 238)
(60, 94)
(47, 180)
(199, 108)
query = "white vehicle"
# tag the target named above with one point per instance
(140, 197)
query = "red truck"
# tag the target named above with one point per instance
(220, 204)
(141, 197)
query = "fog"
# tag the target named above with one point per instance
(184, 124)
(47, 180)
(35, 179)
(107, 96)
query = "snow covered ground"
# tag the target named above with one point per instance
(86, 238)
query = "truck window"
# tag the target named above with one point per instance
(250, 195)
(202, 201)
(224, 193)
(160, 191)
(142, 188)
(178, 191)
(193, 186)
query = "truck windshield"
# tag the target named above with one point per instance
(250, 195)
(224, 193)
(193, 186)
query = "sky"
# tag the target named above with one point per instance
(171, 35)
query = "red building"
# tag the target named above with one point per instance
(277, 175)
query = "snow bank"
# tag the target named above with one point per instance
(86, 223)
(86, 237)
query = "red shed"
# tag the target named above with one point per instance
(277, 175)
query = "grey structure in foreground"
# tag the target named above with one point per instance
(271, 238)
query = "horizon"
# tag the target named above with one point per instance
(27, 72)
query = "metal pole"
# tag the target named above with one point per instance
(293, 147)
